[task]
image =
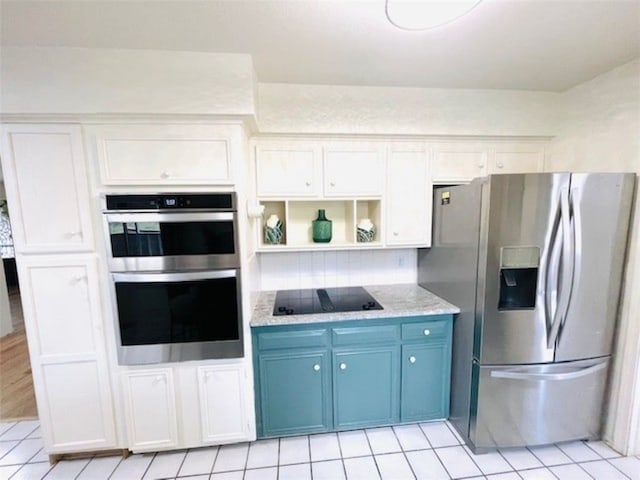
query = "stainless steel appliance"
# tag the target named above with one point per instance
(534, 261)
(323, 300)
(176, 276)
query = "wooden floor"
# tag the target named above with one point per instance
(17, 400)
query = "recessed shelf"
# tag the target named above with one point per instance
(297, 217)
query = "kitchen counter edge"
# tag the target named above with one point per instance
(404, 300)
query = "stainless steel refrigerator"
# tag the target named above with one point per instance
(535, 263)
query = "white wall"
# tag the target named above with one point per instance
(600, 131)
(49, 80)
(286, 108)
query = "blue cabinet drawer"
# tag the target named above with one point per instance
(365, 335)
(293, 339)
(426, 330)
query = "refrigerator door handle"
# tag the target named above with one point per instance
(519, 375)
(551, 270)
(576, 249)
(567, 275)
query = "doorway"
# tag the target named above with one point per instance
(17, 397)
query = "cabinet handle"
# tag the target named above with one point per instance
(427, 332)
(333, 184)
(316, 367)
(76, 233)
(158, 379)
(343, 366)
(480, 165)
(307, 183)
(395, 234)
(500, 165)
(164, 175)
(412, 359)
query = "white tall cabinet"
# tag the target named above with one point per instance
(46, 182)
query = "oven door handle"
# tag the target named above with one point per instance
(173, 277)
(169, 217)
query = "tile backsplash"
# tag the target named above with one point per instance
(344, 268)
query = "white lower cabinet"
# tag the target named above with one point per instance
(65, 334)
(223, 405)
(150, 407)
(77, 415)
(187, 405)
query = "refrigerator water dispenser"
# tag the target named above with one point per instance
(518, 277)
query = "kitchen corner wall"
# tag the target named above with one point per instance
(599, 132)
(326, 269)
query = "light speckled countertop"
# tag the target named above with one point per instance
(403, 300)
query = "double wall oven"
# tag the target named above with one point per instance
(175, 269)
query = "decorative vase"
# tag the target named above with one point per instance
(321, 228)
(273, 230)
(365, 230)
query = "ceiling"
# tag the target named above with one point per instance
(547, 45)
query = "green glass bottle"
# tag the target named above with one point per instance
(321, 228)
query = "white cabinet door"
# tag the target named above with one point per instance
(74, 405)
(409, 201)
(162, 154)
(515, 157)
(61, 305)
(150, 409)
(46, 183)
(458, 162)
(353, 169)
(64, 327)
(288, 169)
(223, 404)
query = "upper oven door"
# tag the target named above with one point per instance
(172, 241)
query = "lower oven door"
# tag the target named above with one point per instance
(168, 317)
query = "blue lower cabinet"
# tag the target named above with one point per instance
(425, 382)
(295, 393)
(366, 387)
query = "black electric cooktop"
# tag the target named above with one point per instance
(324, 300)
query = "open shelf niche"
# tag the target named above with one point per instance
(297, 215)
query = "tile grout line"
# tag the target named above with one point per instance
(116, 467)
(373, 454)
(404, 454)
(344, 467)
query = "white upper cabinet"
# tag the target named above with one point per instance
(458, 162)
(46, 182)
(512, 157)
(408, 196)
(163, 154)
(353, 169)
(289, 169)
(464, 160)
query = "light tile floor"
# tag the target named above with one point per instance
(430, 451)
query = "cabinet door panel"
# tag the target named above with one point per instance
(45, 176)
(75, 406)
(518, 158)
(62, 312)
(408, 199)
(151, 409)
(353, 170)
(458, 162)
(288, 170)
(425, 382)
(163, 154)
(295, 393)
(366, 387)
(222, 404)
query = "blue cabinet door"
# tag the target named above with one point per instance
(425, 381)
(366, 387)
(295, 392)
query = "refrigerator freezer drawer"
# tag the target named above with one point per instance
(537, 404)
